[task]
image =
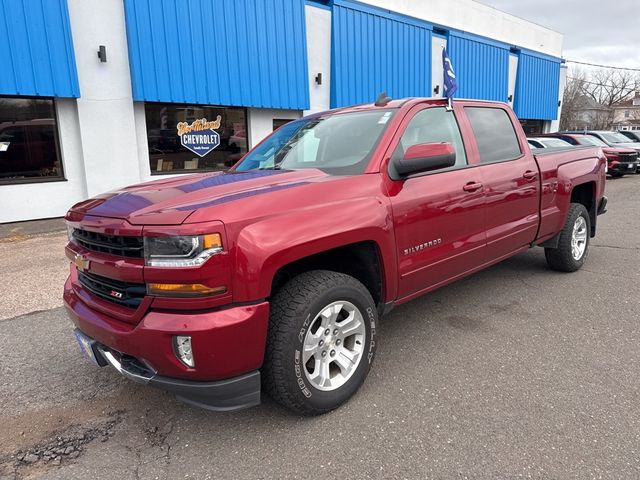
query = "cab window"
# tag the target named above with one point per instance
(496, 138)
(434, 125)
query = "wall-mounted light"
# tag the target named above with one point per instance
(102, 53)
(436, 90)
(319, 79)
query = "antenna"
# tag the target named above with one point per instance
(382, 100)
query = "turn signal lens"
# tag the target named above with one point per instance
(212, 240)
(182, 289)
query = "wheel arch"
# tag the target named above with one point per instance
(585, 194)
(360, 260)
(356, 239)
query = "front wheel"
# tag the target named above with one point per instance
(321, 341)
(573, 244)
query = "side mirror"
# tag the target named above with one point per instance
(422, 157)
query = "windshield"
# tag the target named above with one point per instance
(586, 140)
(614, 137)
(339, 144)
(633, 136)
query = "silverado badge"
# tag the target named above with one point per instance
(422, 246)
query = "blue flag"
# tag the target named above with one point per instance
(450, 83)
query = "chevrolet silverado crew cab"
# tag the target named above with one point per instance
(273, 275)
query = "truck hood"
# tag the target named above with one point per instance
(171, 201)
(633, 145)
(619, 150)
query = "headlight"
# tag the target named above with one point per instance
(181, 251)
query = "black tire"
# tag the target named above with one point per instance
(292, 314)
(562, 258)
(617, 175)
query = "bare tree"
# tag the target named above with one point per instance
(590, 97)
(572, 100)
(609, 87)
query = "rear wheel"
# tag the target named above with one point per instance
(321, 341)
(573, 244)
(617, 175)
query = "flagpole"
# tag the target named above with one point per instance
(449, 82)
(448, 107)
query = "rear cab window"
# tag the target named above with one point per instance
(494, 133)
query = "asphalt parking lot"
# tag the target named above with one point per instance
(515, 372)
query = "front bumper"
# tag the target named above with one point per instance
(228, 347)
(235, 393)
(622, 168)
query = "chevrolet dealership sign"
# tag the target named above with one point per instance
(200, 136)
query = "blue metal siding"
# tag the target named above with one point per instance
(482, 68)
(537, 84)
(374, 53)
(225, 52)
(36, 49)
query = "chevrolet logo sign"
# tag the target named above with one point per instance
(81, 263)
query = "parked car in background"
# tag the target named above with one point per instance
(620, 161)
(612, 139)
(547, 142)
(534, 143)
(633, 135)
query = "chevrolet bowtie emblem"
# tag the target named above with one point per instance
(81, 263)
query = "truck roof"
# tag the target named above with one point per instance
(402, 102)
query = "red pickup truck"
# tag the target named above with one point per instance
(273, 275)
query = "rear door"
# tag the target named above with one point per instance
(439, 215)
(510, 177)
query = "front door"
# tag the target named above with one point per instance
(438, 216)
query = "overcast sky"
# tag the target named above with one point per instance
(595, 31)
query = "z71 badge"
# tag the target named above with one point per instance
(422, 246)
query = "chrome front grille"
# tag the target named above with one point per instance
(129, 247)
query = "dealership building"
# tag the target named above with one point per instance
(92, 91)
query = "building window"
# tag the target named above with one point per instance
(626, 114)
(278, 122)
(167, 154)
(29, 145)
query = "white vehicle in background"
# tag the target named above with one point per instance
(632, 135)
(547, 142)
